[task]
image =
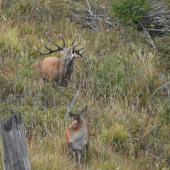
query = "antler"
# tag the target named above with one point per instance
(74, 39)
(50, 50)
(78, 51)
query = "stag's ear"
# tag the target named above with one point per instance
(72, 116)
(83, 111)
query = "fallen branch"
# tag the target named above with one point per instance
(70, 104)
(78, 5)
(94, 16)
(149, 37)
(160, 88)
(159, 17)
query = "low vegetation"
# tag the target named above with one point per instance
(119, 75)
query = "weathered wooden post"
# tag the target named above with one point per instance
(14, 148)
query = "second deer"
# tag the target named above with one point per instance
(78, 135)
(59, 69)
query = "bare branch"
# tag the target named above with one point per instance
(159, 30)
(149, 37)
(89, 7)
(94, 16)
(78, 5)
(70, 104)
(160, 88)
(74, 39)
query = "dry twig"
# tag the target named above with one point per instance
(70, 104)
(152, 42)
(94, 16)
(164, 85)
(158, 19)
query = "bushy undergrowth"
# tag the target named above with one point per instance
(119, 74)
(129, 12)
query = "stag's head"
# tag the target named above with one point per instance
(66, 52)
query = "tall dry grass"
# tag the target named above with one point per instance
(118, 74)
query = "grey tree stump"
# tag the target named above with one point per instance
(14, 148)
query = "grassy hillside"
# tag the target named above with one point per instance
(119, 74)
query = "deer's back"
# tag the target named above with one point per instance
(76, 135)
(50, 67)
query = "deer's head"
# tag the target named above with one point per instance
(77, 116)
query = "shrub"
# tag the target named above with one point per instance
(108, 76)
(117, 138)
(129, 12)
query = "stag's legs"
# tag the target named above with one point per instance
(45, 79)
(65, 82)
(61, 82)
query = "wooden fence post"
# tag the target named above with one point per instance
(14, 148)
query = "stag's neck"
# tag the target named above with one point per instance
(66, 60)
(67, 66)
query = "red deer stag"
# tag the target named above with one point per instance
(59, 69)
(78, 135)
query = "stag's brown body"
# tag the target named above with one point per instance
(59, 69)
(78, 135)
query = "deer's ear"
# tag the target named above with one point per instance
(73, 116)
(84, 111)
